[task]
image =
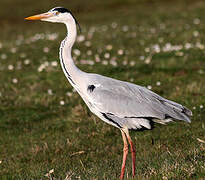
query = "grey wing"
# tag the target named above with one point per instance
(126, 103)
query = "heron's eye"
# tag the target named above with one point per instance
(57, 13)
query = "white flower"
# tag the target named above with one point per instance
(142, 58)
(195, 33)
(158, 83)
(177, 47)
(149, 87)
(167, 47)
(88, 43)
(107, 55)
(26, 61)
(125, 28)
(109, 47)
(46, 49)
(80, 38)
(10, 67)
(124, 62)
(13, 50)
(120, 52)
(200, 46)
(62, 103)
(104, 62)
(52, 36)
(54, 63)
(69, 94)
(41, 67)
(89, 52)
(50, 92)
(201, 106)
(156, 48)
(76, 52)
(37, 37)
(3, 56)
(99, 50)
(194, 107)
(114, 25)
(83, 61)
(113, 62)
(188, 46)
(90, 62)
(132, 63)
(148, 60)
(196, 21)
(147, 50)
(14, 80)
(97, 58)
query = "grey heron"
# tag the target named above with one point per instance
(118, 103)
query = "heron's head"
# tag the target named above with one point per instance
(57, 14)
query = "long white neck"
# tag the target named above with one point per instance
(70, 70)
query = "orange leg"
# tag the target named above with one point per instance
(132, 150)
(125, 152)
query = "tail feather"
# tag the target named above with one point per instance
(186, 111)
(182, 112)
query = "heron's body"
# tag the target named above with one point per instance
(119, 103)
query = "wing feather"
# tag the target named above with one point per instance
(125, 99)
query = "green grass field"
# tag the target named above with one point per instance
(46, 127)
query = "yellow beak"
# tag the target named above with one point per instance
(40, 16)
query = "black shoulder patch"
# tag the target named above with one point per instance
(91, 88)
(61, 10)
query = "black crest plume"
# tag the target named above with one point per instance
(64, 10)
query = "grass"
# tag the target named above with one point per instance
(44, 124)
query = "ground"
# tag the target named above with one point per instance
(46, 130)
